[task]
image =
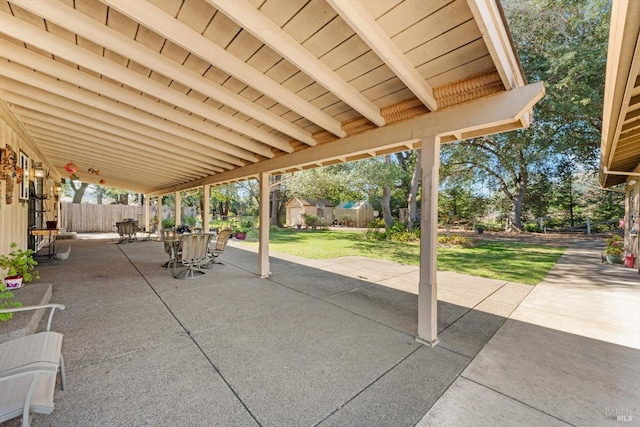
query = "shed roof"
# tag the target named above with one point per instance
(353, 205)
(309, 202)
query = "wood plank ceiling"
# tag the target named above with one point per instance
(159, 93)
(620, 148)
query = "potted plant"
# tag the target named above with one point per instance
(241, 231)
(614, 250)
(18, 265)
(6, 301)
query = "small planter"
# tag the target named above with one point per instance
(241, 235)
(613, 259)
(13, 282)
(51, 225)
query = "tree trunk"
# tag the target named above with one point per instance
(518, 203)
(386, 199)
(275, 202)
(78, 193)
(412, 203)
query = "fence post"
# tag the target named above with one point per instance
(588, 225)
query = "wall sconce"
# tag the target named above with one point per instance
(38, 170)
(632, 182)
(59, 187)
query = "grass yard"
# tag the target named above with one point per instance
(515, 262)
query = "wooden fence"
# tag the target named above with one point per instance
(86, 218)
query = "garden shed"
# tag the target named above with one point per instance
(354, 214)
(297, 206)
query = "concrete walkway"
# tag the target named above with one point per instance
(320, 343)
(568, 355)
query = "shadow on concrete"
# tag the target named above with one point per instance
(305, 347)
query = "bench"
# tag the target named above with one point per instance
(28, 368)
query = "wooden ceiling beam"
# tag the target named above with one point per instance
(57, 46)
(47, 101)
(114, 168)
(182, 35)
(484, 115)
(56, 88)
(135, 138)
(62, 140)
(88, 137)
(488, 17)
(230, 143)
(247, 16)
(82, 25)
(359, 19)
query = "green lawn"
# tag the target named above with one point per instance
(516, 262)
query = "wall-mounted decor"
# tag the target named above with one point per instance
(8, 166)
(23, 188)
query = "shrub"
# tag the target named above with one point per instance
(455, 240)
(532, 227)
(311, 220)
(168, 223)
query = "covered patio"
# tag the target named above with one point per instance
(331, 342)
(160, 97)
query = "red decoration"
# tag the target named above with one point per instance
(71, 167)
(102, 182)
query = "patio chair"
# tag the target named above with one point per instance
(169, 235)
(28, 368)
(193, 253)
(127, 231)
(218, 249)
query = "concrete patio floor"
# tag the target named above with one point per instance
(331, 343)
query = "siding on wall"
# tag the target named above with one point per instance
(13, 217)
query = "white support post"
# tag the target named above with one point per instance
(427, 289)
(147, 222)
(159, 228)
(263, 246)
(178, 208)
(588, 225)
(206, 208)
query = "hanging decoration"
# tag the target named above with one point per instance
(71, 167)
(94, 171)
(102, 182)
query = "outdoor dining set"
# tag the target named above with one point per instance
(195, 252)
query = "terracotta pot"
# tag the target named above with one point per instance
(13, 282)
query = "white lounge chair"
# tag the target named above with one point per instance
(28, 368)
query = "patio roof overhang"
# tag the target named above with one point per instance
(168, 95)
(620, 147)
